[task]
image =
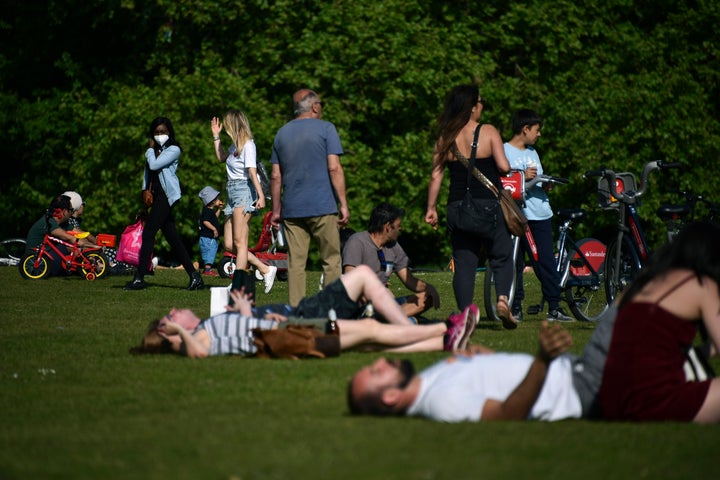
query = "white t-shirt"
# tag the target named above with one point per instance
(455, 390)
(237, 166)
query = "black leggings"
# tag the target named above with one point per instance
(467, 252)
(161, 218)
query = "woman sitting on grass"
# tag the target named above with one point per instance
(658, 318)
(183, 332)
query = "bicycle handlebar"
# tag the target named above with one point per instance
(545, 178)
(631, 196)
(693, 198)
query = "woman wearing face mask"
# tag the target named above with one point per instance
(161, 164)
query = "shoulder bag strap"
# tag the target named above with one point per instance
(470, 165)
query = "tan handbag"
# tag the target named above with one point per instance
(295, 341)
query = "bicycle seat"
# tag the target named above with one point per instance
(571, 213)
(673, 212)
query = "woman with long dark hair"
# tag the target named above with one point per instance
(456, 130)
(162, 158)
(658, 318)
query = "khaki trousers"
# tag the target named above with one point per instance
(298, 233)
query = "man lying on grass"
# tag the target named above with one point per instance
(183, 332)
(484, 385)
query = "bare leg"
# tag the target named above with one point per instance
(257, 263)
(429, 345)
(362, 281)
(368, 331)
(240, 230)
(227, 235)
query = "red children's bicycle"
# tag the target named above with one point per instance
(90, 260)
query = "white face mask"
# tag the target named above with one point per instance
(161, 139)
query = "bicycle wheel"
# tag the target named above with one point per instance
(99, 262)
(12, 251)
(585, 287)
(28, 268)
(226, 267)
(617, 278)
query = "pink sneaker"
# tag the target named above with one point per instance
(462, 325)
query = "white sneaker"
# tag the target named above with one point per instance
(258, 275)
(269, 278)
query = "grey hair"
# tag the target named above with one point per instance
(305, 104)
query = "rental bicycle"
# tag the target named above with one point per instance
(12, 251)
(580, 266)
(628, 251)
(694, 208)
(90, 260)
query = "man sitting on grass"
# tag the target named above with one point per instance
(378, 248)
(485, 385)
(182, 332)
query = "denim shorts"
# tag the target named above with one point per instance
(241, 194)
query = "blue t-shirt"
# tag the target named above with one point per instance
(301, 148)
(537, 203)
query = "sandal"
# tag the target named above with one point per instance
(503, 311)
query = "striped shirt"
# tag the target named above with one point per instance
(231, 333)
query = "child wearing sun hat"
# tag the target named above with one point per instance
(209, 227)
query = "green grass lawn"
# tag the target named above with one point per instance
(74, 404)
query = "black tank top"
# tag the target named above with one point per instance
(458, 178)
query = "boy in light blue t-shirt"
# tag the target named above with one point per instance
(521, 154)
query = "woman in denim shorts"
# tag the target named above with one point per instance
(244, 193)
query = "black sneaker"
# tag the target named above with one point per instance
(517, 313)
(136, 284)
(558, 315)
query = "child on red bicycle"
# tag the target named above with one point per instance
(57, 213)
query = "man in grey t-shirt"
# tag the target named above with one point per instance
(378, 248)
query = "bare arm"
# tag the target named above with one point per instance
(710, 312)
(436, 178)
(337, 178)
(416, 285)
(63, 235)
(252, 173)
(275, 188)
(210, 226)
(553, 342)
(216, 128)
(193, 347)
(496, 143)
(242, 302)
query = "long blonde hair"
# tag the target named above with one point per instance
(238, 127)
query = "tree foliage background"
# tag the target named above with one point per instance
(619, 83)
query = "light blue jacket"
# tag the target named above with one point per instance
(167, 163)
